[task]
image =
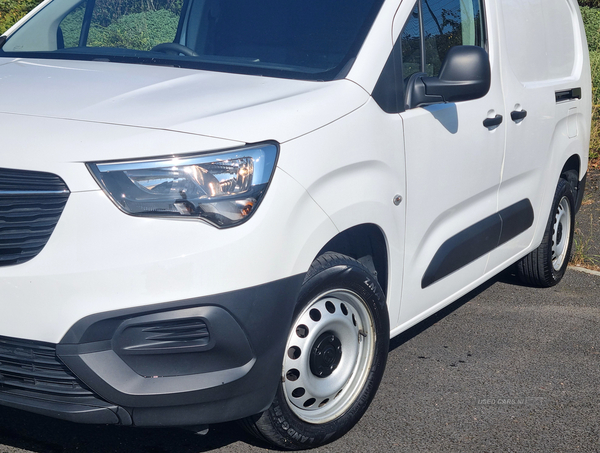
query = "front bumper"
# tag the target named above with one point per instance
(104, 276)
(198, 361)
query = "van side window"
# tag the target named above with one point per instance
(433, 27)
(442, 24)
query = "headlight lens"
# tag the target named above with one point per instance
(223, 189)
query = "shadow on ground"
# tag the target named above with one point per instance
(34, 433)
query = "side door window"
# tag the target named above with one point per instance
(449, 23)
(432, 29)
(411, 43)
(435, 26)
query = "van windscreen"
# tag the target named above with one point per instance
(306, 39)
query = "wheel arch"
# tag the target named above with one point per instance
(572, 164)
(365, 243)
(573, 172)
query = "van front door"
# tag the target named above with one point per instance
(453, 161)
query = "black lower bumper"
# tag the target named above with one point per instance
(193, 362)
(82, 410)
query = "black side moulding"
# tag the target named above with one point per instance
(478, 240)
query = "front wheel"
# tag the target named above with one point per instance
(546, 265)
(334, 359)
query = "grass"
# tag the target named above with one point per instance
(595, 138)
(581, 256)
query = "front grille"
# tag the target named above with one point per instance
(31, 203)
(31, 366)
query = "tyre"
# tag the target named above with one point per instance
(334, 359)
(546, 265)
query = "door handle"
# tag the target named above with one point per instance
(491, 122)
(518, 115)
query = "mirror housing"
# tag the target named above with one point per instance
(465, 76)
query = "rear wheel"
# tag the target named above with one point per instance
(546, 265)
(334, 359)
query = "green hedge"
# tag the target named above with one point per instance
(140, 31)
(591, 18)
(591, 21)
(595, 63)
(595, 135)
(11, 11)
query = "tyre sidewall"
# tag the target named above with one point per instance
(563, 190)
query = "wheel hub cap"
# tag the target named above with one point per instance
(325, 355)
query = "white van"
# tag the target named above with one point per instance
(214, 210)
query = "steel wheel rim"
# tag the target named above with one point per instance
(319, 399)
(561, 234)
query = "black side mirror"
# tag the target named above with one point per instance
(465, 75)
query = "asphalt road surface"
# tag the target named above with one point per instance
(506, 368)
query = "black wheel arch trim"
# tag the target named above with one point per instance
(580, 193)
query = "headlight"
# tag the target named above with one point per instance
(223, 189)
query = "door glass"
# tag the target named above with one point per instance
(449, 23)
(69, 29)
(411, 45)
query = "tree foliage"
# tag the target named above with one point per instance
(591, 21)
(12, 10)
(590, 3)
(106, 11)
(132, 31)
